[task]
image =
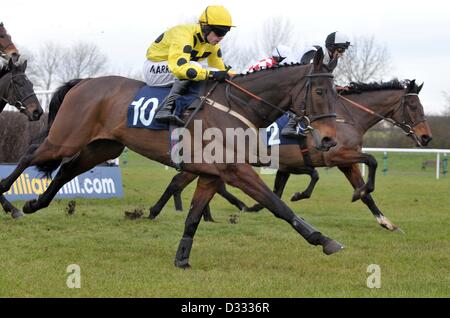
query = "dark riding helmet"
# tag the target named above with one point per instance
(337, 40)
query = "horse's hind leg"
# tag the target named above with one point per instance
(246, 179)
(9, 208)
(206, 188)
(178, 183)
(91, 155)
(353, 175)
(281, 180)
(231, 198)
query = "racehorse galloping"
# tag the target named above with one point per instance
(393, 100)
(100, 133)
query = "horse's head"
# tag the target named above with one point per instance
(17, 90)
(318, 104)
(6, 45)
(411, 114)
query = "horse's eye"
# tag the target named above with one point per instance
(319, 91)
(413, 106)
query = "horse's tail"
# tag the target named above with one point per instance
(47, 168)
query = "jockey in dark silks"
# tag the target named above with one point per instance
(335, 45)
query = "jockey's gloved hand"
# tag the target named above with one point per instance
(219, 76)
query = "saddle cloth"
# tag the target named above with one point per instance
(142, 108)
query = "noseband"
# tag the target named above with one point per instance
(19, 104)
(305, 120)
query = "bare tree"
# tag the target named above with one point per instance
(44, 65)
(82, 60)
(365, 60)
(236, 55)
(446, 111)
(53, 65)
(277, 30)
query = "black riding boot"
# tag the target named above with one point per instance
(165, 113)
(290, 130)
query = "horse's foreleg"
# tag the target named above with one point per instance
(347, 157)
(179, 182)
(246, 179)
(353, 175)
(25, 162)
(91, 155)
(9, 208)
(206, 188)
(314, 175)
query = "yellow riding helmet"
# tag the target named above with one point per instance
(216, 15)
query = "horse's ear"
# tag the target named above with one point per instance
(23, 65)
(10, 63)
(419, 88)
(411, 85)
(318, 58)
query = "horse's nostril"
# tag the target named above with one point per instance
(37, 114)
(328, 141)
(425, 139)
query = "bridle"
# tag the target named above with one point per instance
(407, 128)
(303, 119)
(19, 103)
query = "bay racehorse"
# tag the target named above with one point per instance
(17, 90)
(360, 106)
(90, 127)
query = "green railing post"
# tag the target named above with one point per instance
(125, 156)
(445, 165)
(385, 163)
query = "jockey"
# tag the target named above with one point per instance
(175, 55)
(279, 54)
(335, 45)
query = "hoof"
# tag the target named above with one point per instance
(332, 247)
(153, 214)
(388, 225)
(182, 264)
(28, 207)
(299, 196)
(17, 214)
(255, 208)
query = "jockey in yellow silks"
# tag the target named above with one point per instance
(188, 52)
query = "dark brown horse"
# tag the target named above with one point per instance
(396, 101)
(90, 127)
(17, 90)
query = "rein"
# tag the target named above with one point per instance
(407, 129)
(304, 119)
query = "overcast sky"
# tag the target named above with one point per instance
(416, 33)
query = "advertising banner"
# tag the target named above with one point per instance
(100, 182)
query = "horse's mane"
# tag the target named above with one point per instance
(266, 69)
(359, 87)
